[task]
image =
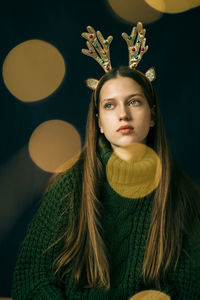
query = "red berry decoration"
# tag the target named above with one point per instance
(91, 36)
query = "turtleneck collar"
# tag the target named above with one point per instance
(130, 180)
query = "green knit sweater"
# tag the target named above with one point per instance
(125, 222)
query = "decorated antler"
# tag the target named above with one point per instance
(98, 47)
(136, 44)
(136, 47)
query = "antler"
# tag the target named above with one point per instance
(98, 47)
(136, 48)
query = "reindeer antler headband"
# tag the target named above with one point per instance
(98, 48)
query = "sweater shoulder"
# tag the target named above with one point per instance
(58, 196)
(63, 183)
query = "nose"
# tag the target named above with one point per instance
(124, 113)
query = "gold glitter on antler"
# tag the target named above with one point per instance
(136, 44)
(98, 47)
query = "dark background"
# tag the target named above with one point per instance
(173, 50)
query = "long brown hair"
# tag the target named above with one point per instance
(175, 205)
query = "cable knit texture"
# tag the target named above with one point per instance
(125, 222)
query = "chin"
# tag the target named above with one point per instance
(128, 141)
(124, 143)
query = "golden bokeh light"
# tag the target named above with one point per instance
(150, 294)
(53, 143)
(134, 171)
(133, 11)
(171, 6)
(33, 70)
(68, 163)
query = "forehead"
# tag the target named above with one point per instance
(120, 86)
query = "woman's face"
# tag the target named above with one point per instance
(123, 103)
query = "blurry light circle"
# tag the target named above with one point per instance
(33, 70)
(171, 6)
(53, 143)
(134, 171)
(150, 294)
(133, 11)
(68, 163)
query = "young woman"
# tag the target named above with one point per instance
(87, 241)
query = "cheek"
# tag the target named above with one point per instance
(144, 117)
(99, 122)
(106, 121)
(143, 121)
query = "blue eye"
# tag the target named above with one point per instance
(107, 106)
(134, 102)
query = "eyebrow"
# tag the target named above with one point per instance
(129, 96)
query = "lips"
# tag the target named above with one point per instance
(125, 127)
